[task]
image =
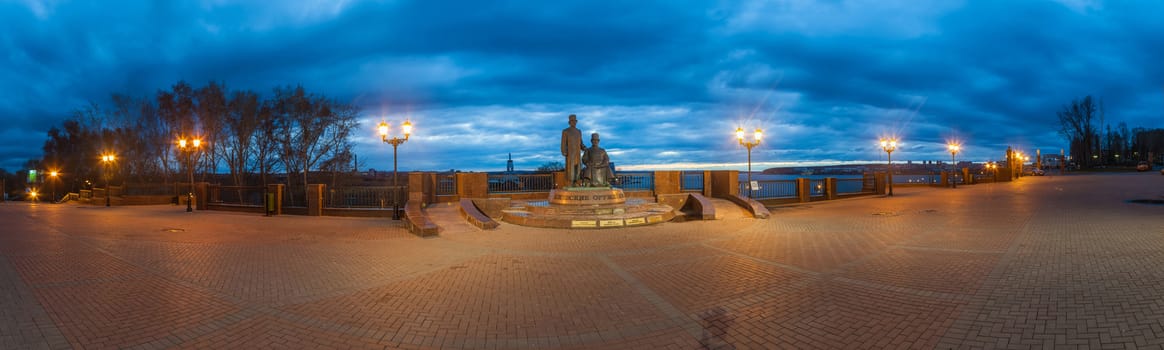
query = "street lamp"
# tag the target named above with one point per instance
(756, 138)
(1018, 160)
(53, 184)
(954, 148)
(395, 141)
(189, 147)
(889, 145)
(108, 161)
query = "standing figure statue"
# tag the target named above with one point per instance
(572, 149)
(597, 172)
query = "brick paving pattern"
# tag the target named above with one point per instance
(1062, 262)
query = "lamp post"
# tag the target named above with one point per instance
(954, 148)
(189, 147)
(1017, 167)
(53, 184)
(889, 145)
(756, 138)
(395, 141)
(108, 161)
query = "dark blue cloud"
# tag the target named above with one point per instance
(666, 82)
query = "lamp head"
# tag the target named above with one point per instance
(383, 129)
(740, 134)
(407, 126)
(889, 144)
(759, 135)
(197, 143)
(182, 143)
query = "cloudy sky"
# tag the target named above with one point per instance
(666, 83)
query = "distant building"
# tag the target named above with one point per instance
(509, 164)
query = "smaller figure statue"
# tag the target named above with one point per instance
(597, 172)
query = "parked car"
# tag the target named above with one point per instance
(1143, 166)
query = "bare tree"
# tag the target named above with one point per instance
(242, 123)
(311, 129)
(1075, 121)
(211, 110)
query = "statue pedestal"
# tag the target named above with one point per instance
(587, 207)
(587, 196)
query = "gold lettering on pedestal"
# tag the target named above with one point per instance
(636, 221)
(610, 223)
(655, 219)
(583, 223)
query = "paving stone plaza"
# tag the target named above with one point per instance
(1058, 262)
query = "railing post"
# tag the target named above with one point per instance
(707, 183)
(668, 182)
(724, 183)
(315, 199)
(417, 188)
(804, 189)
(472, 185)
(200, 197)
(830, 188)
(559, 179)
(276, 200)
(879, 183)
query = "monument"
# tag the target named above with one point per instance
(572, 149)
(586, 199)
(597, 172)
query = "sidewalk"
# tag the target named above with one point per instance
(1062, 262)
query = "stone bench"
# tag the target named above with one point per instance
(689, 206)
(418, 221)
(757, 209)
(473, 215)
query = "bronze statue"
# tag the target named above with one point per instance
(597, 172)
(572, 149)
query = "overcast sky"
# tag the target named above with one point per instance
(666, 83)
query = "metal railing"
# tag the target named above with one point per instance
(364, 197)
(446, 184)
(853, 186)
(691, 181)
(916, 179)
(294, 197)
(510, 183)
(770, 189)
(644, 181)
(237, 195)
(816, 188)
(154, 189)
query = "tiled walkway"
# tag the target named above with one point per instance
(1048, 262)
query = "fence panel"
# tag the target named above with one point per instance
(239, 195)
(509, 183)
(364, 196)
(446, 184)
(691, 181)
(916, 179)
(816, 188)
(644, 181)
(852, 186)
(151, 189)
(770, 189)
(294, 197)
